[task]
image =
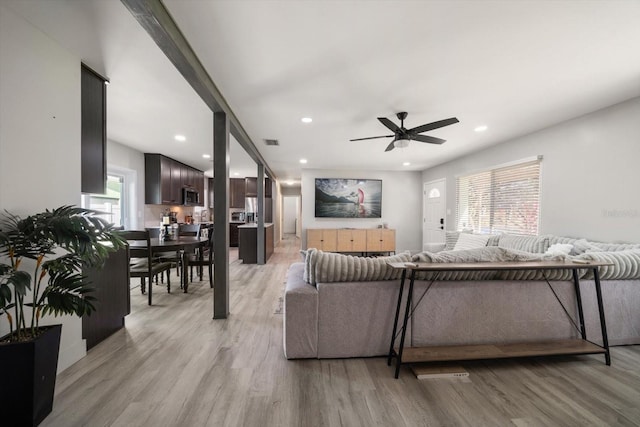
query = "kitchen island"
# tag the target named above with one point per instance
(248, 242)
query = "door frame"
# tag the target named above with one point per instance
(424, 206)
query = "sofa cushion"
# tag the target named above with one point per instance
(613, 247)
(451, 237)
(471, 241)
(335, 267)
(533, 244)
(626, 264)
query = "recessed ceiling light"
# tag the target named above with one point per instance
(303, 161)
(289, 182)
(206, 156)
(180, 138)
(307, 120)
(406, 164)
(481, 128)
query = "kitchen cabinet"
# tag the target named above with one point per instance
(248, 243)
(165, 178)
(111, 290)
(237, 194)
(251, 187)
(233, 234)
(93, 134)
(268, 188)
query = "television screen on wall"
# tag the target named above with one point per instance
(348, 198)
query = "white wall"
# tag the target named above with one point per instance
(129, 162)
(590, 173)
(401, 205)
(39, 138)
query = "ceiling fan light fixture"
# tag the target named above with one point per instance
(401, 143)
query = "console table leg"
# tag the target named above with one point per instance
(576, 285)
(603, 324)
(395, 322)
(404, 326)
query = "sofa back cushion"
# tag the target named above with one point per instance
(532, 244)
(335, 267)
(626, 264)
(471, 241)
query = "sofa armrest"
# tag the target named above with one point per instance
(300, 333)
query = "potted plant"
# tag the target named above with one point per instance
(41, 257)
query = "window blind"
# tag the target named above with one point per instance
(501, 200)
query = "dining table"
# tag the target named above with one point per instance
(182, 245)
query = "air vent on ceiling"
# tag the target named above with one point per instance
(271, 142)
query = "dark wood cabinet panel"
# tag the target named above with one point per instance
(93, 133)
(165, 178)
(165, 181)
(111, 290)
(248, 242)
(268, 188)
(236, 188)
(250, 187)
(233, 235)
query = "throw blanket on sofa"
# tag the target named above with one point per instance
(490, 254)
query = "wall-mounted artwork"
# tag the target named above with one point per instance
(348, 198)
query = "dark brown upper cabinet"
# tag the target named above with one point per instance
(93, 146)
(251, 187)
(165, 178)
(236, 188)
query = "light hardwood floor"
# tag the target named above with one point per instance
(174, 366)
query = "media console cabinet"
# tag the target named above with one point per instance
(494, 351)
(363, 240)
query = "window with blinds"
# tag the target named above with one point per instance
(501, 200)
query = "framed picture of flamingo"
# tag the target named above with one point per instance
(348, 198)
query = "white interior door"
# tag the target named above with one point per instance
(289, 214)
(434, 208)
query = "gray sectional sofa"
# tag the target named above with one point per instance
(338, 306)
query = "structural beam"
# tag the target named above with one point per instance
(156, 20)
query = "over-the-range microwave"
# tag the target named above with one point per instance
(190, 196)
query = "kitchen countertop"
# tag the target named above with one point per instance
(255, 225)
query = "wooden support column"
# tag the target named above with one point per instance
(260, 240)
(221, 215)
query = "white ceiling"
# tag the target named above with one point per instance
(514, 66)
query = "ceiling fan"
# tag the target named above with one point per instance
(402, 136)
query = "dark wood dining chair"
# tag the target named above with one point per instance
(204, 259)
(141, 262)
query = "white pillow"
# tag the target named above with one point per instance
(471, 241)
(559, 249)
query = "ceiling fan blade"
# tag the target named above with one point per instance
(434, 125)
(389, 124)
(427, 138)
(391, 146)
(371, 137)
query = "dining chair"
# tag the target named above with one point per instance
(142, 264)
(205, 259)
(188, 230)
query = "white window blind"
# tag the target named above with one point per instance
(501, 200)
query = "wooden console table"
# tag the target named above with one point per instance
(491, 351)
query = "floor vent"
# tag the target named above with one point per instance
(271, 142)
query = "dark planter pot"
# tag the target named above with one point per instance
(29, 378)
